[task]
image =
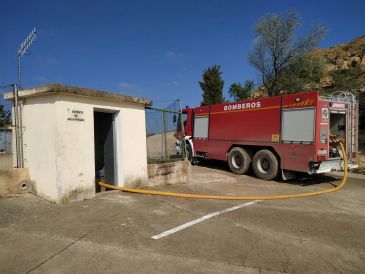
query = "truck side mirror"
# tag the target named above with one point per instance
(175, 118)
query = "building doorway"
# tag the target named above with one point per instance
(105, 156)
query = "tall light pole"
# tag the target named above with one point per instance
(17, 113)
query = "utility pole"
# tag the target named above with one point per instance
(16, 125)
(18, 105)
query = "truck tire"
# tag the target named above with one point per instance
(265, 165)
(239, 160)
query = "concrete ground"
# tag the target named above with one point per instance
(113, 232)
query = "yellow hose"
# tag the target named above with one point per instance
(219, 197)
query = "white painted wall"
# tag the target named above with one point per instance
(65, 171)
(39, 139)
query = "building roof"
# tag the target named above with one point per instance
(77, 91)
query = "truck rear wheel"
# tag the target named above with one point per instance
(239, 160)
(265, 165)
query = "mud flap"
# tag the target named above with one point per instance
(288, 174)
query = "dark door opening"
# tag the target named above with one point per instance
(338, 125)
(338, 132)
(104, 148)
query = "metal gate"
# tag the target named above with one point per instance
(165, 133)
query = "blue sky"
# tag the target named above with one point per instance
(155, 49)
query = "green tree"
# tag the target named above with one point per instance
(212, 86)
(240, 92)
(276, 48)
(303, 74)
(4, 116)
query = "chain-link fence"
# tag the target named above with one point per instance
(6, 131)
(164, 133)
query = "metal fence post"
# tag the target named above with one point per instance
(20, 119)
(162, 141)
(164, 134)
(182, 128)
(18, 128)
(16, 124)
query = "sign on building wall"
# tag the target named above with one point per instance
(75, 115)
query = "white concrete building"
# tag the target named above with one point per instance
(71, 134)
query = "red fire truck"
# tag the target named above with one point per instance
(287, 134)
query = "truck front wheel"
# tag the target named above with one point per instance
(189, 154)
(239, 160)
(265, 165)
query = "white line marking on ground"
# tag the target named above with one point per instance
(202, 219)
(211, 181)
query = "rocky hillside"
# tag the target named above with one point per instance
(344, 68)
(348, 58)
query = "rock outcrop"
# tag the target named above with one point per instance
(342, 57)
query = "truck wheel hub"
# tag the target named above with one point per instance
(237, 161)
(264, 165)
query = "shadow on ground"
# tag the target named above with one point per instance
(302, 179)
